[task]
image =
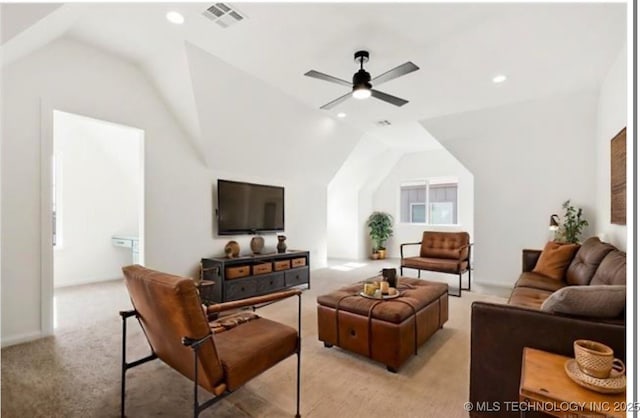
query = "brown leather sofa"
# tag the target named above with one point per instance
(499, 332)
(443, 252)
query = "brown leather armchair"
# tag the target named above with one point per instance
(220, 356)
(442, 252)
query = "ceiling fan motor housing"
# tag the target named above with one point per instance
(361, 78)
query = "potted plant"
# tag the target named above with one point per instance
(573, 224)
(380, 229)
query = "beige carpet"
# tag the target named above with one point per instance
(76, 372)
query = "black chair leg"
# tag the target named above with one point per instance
(299, 353)
(459, 294)
(419, 273)
(123, 368)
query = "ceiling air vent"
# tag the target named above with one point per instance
(383, 123)
(224, 15)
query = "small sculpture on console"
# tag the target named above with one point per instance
(282, 246)
(232, 249)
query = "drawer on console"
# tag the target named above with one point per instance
(269, 283)
(281, 265)
(236, 272)
(239, 289)
(296, 276)
(261, 268)
(298, 262)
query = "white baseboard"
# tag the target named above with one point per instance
(21, 338)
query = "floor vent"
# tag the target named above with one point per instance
(224, 15)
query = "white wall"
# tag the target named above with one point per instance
(526, 159)
(422, 166)
(179, 187)
(612, 117)
(99, 189)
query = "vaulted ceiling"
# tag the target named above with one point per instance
(543, 48)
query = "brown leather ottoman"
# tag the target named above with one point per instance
(388, 331)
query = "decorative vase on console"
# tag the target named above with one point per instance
(257, 244)
(282, 246)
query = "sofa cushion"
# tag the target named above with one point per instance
(586, 261)
(443, 265)
(612, 269)
(538, 281)
(595, 301)
(555, 259)
(528, 298)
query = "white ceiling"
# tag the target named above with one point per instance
(543, 48)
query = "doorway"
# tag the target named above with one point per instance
(97, 195)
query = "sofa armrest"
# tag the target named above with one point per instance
(500, 332)
(529, 259)
(252, 302)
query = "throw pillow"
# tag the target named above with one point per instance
(596, 301)
(555, 259)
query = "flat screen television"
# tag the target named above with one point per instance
(246, 208)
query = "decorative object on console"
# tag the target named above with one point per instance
(232, 249)
(282, 245)
(380, 225)
(572, 226)
(257, 244)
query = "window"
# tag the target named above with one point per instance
(433, 202)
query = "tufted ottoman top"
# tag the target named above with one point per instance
(415, 295)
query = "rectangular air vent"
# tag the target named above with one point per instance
(224, 15)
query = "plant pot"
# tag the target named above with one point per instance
(382, 254)
(375, 256)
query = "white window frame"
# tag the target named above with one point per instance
(426, 183)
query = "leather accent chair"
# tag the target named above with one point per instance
(179, 333)
(442, 252)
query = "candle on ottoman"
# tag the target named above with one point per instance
(384, 287)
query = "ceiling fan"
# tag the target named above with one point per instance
(362, 82)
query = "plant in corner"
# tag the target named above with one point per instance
(380, 229)
(572, 225)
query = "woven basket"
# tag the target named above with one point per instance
(593, 358)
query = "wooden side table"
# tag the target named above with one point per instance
(545, 387)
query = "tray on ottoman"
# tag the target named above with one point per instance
(388, 331)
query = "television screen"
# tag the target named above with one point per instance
(245, 208)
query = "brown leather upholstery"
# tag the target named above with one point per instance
(251, 348)
(454, 245)
(538, 281)
(612, 269)
(443, 252)
(435, 264)
(169, 309)
(394, 330)
(500, 332)
(586, 261)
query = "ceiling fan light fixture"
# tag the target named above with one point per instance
(362, 91)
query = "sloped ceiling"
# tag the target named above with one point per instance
(544, 48)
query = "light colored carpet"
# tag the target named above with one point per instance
(76, 373)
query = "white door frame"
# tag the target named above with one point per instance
(46, 202)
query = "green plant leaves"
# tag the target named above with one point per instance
(381, 228)
(573, 224)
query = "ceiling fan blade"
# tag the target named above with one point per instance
(388, 98)
(327, 77)
(400, 70)
(336, 101)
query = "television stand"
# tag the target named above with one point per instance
(254, 274)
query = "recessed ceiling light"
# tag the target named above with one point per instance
(500, 78)
(342, 115)
(175, 17)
